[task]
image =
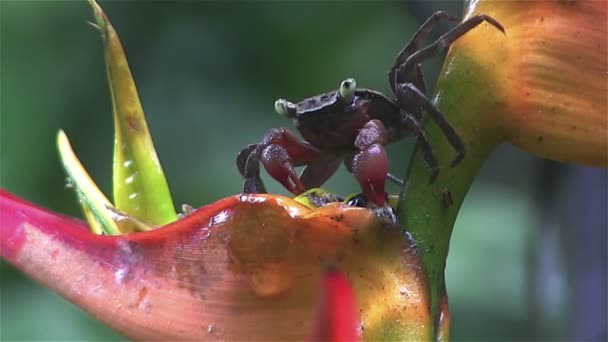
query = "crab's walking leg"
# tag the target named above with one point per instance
(413, 46)
(370, 164)
(447, 39)
(425, 145)
(396, 180)
(421, 34)
(409, 91)
(241, 158)
(319, 170)
(250, 170)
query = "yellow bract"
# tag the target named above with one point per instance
(549, 75)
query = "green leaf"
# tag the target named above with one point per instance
(140, 187)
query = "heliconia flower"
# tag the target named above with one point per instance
(245, 267)
(256, 266)
(543, 85)
(337, 318)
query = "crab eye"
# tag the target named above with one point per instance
(285, 108)
(347, 89)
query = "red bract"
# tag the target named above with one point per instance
(337, 318)
(248, 266)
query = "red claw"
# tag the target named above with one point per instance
(279, 165)
(370, 167)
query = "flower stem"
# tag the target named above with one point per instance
(428, 211)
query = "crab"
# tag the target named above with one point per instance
(352, 125)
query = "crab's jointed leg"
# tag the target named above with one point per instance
(319, 170)
(396, 180)
(447, 39)
(427, 150)
(415, 74)
(407, 83)
(251, 172)
(409, 91)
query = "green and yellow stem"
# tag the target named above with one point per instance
(424, 208)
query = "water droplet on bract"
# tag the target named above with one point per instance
(271, 280)
(69, 183)
(205, 233)
(212, 330)
(130, 179)
(120, 275)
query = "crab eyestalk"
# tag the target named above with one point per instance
(285, 108)
(347, 89)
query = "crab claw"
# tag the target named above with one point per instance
(370, 167)
(279, 165)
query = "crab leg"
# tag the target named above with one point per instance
(425, 145)
(412, 47)
(250, 171)
(241, 158)
(396, 180)
(319, 170)
(422, 34)
(447, 39)
(409, 91)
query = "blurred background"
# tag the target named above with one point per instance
(528, 254)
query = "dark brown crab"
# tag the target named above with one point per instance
(353, 124)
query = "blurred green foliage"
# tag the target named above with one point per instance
(208, 74)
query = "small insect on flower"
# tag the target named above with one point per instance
(352, 125)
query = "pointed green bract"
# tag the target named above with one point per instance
(140, 187)
(96, 207)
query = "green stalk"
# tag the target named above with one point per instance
(466, 96)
